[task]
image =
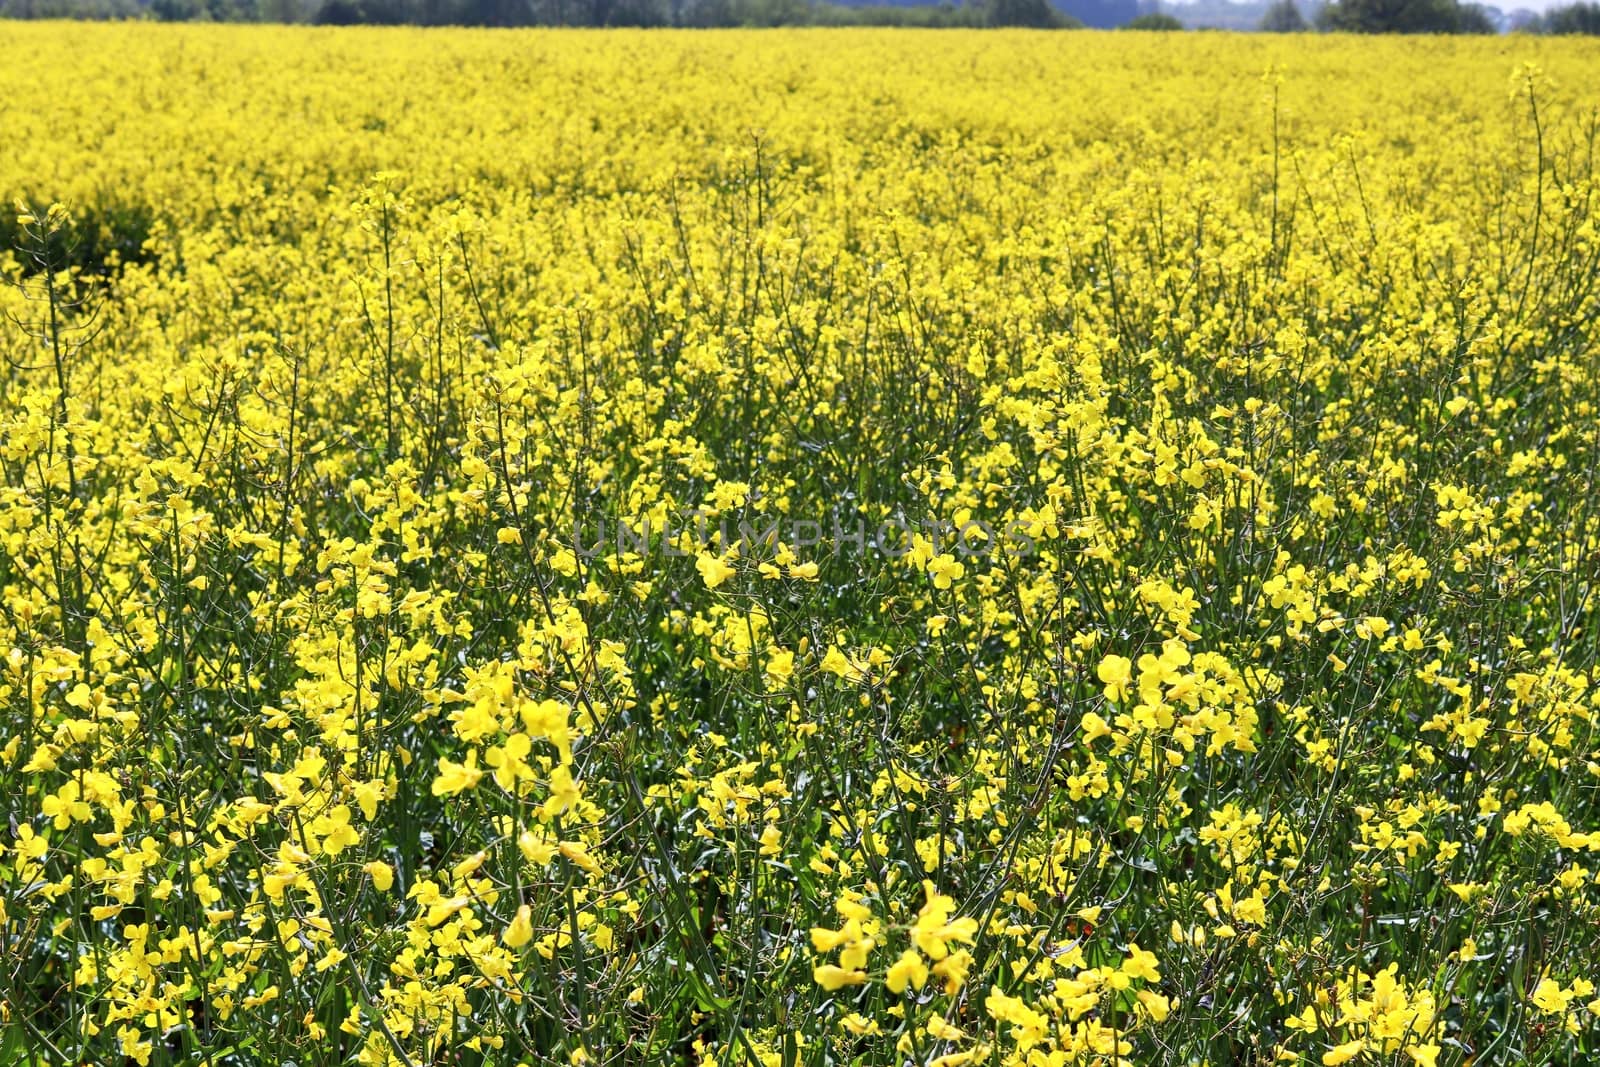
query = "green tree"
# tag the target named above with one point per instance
(1392, 16)
(1283, 17)
(1154, 21)
(1574, 18)
(1038, 14)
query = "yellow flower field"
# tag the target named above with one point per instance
(798, 548)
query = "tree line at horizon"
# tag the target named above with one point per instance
(1280, 16)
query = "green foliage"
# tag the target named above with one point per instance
(685, 13)
(102, 239)
(1402, 16)
(1283, 17)
(1579, 18)
(1038, 14)
(923, 16)
(1155, 21)
(1475, 19)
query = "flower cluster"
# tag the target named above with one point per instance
(1249, 714)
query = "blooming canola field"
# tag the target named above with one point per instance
(797, 548)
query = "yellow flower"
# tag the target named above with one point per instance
(908, 970)
(945, 570)
(382, 875)
(834, 978)
(1424, 1055)
(1157, 1005)
(1549, 997)
(1343, 1053)
(934, 928)
(1094, 727)
(510, 761)
(367, 795)
(953, 970)
(713, 569)
(826, 940)
(837, 663)
(456, 777)
(1141, 964)
(579, 855)
(1117, 674)
(520, 930)
(564, 793)
(339, 834)
(1012, 1010)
